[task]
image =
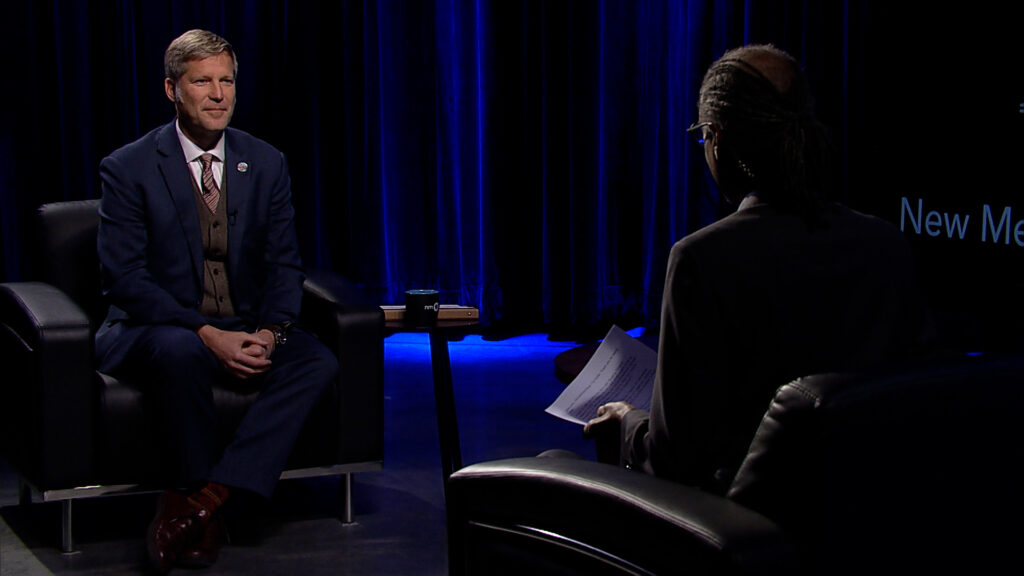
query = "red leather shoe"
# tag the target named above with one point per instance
(203, 554)
(180, 523)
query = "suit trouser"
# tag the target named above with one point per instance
(177, 372)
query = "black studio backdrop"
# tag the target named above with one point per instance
(523, 156)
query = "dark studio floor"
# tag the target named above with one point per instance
(501, 388)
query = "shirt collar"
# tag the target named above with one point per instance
(192, 152)
(749, 201)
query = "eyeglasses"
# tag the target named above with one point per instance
(697, 129)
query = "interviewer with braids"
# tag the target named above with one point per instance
(788, 285)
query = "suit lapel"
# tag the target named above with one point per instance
(180, 187)
(238, 184)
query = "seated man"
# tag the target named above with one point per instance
(788, 285)
(201, 266)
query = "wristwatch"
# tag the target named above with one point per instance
(280, 332)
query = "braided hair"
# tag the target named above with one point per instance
(779, 144)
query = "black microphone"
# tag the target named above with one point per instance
(231, 217)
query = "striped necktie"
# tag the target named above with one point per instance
(211, 194)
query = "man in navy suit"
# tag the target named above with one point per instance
(201, 266)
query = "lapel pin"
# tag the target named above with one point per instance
(243, 167)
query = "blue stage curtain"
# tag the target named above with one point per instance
(523, 156)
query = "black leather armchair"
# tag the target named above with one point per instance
(911, 471)
(71, 432)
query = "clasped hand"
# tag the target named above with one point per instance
(241, 354)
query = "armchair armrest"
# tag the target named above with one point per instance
(579, 516)
(49, 395)
(353, 328)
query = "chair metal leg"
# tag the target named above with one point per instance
(346, 498)
(67, 541)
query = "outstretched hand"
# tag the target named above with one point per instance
(605, 430)
(607, 415)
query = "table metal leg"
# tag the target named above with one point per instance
(447, 423)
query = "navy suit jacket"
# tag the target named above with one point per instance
(151, 251)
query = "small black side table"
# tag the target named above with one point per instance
(444, 397)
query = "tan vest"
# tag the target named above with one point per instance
(214, 229)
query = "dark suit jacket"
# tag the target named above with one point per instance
(150, 247)
(753, 302)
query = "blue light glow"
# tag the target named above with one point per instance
(475, 348)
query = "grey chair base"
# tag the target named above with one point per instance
(28, 494)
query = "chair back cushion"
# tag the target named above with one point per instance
(66, 253)
(902, 469)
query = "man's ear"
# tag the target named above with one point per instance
(716, 139)
(169, 88)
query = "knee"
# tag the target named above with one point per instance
(325, 365)
(307, 362)
(559, 453)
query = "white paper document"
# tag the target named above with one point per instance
(622, 368)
